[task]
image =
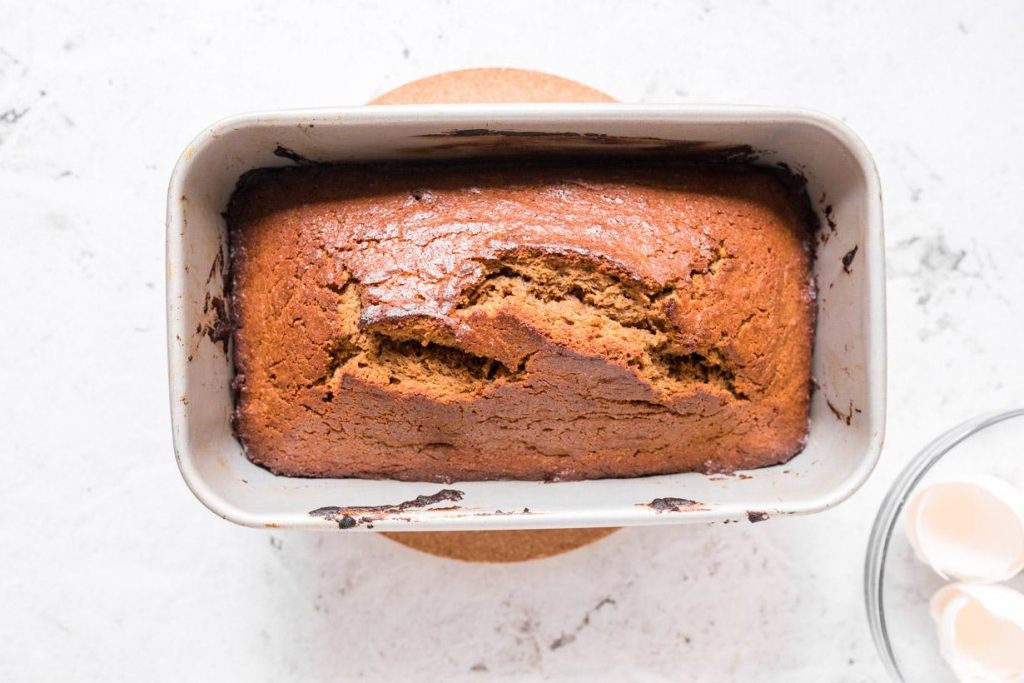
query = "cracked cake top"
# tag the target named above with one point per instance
(549, 320)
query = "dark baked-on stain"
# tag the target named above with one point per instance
(830, 221)
(217, 267)
(754, 517)
(517, 142)
(219, 323)
(846, 417)
(219, 329)
(848, 259)
(542, 319)
(673, 505)
(348, 517)
(830, 218)
(291, 154)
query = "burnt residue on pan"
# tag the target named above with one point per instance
(217, 323)
(349, 517)
(845, 417)
(796, 184)
(830, 217)
(503, 513)
(660, 505)
(830, 220)
(291, 154)
(514, 142)
(216, 268)
(848, 259)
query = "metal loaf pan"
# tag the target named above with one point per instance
(848, 408)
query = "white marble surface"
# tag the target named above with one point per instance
(110, 570)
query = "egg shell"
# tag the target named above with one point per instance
(970, 528)
(981, 631)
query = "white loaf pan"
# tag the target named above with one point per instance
(848, 407)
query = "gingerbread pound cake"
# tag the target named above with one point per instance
(546, 321)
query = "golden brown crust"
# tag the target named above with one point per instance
(529, 321)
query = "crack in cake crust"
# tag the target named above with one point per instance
(445, 371)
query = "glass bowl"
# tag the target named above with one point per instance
(897, 585)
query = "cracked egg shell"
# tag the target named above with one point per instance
(970, 529)
(981, 631)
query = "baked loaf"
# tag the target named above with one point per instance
(546, 321)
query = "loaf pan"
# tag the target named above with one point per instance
(848, 406)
